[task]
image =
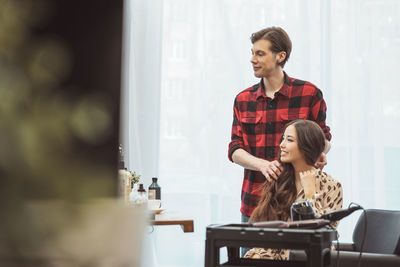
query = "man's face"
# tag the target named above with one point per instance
(264, 61)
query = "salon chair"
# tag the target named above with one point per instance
(381, 246)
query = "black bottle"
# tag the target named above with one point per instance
(154, 190)
(121, 163)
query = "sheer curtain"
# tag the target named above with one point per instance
(189, 59)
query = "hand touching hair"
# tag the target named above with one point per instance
(276, 197)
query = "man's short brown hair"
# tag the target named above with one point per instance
(278, 38)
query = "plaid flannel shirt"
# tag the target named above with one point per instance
(258, 123)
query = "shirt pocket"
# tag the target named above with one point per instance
(287, 117)
(252, 130)
(291, 116)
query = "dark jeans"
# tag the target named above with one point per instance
(243, 251)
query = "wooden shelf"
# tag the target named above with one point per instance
(171, 218)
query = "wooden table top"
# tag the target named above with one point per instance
(173, 218)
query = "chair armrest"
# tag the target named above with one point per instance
(297, 255)
(343, 246)
(350, 259)
(300, 255)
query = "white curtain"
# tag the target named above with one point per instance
(140, 98)
(188, 60)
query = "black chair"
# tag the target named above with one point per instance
(381, 243)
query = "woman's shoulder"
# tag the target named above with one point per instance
(327, 179)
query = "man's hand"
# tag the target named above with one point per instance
(321, 161)
(271, 170)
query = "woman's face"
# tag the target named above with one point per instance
(290, 152)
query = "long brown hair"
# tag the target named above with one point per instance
(277, 196)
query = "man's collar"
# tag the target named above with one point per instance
(283, 91)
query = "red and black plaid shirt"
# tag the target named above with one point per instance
(258, 123)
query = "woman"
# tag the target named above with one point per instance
(302, 143)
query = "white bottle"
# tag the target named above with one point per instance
(141, 196)
(133, 194)
(124, 177)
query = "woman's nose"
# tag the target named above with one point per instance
(282, 144)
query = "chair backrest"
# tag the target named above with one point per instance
(383, 232)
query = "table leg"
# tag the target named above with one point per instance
(318, 256)
(211, 253)
(233, 253)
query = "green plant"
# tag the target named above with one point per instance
(135, 177)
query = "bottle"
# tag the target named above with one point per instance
(141, 196)
(128, 187)
(154, 190)
(133, 195)
(121, 162)
(124, 178)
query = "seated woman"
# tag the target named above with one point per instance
(302, 143)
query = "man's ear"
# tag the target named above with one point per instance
(280, 57)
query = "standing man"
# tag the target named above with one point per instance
(261, 112)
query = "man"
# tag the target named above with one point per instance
(261, 112)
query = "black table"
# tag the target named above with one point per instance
(315, 242)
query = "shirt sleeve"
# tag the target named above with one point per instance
(237, 133)
(329, 199)
(318, 112)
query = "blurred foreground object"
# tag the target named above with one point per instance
(60, 80)
(98, 233)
